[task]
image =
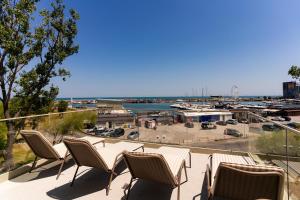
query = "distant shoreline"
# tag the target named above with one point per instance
(166, 97)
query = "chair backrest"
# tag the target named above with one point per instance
(237, 181)
(84, 153)
(149, 166)
(39, 144)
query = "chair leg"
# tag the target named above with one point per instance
(74, 176)
(60, 169)
(190, 157)
(110, 180)
(179, 182)
(178, 192)
(186, 177)
(33, 164)
(129, 188)
(185, 173)
(112, 173)
(62, 164)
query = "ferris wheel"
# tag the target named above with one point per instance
(235, 92)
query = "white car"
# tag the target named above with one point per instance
(279, 119)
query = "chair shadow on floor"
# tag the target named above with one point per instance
(147, 190)
(204, 190)
(44, 171)
(87, 182)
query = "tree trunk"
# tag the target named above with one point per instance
(8, 154)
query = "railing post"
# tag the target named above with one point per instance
(287, 163)
(138, 126)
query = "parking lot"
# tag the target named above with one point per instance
(196, 136)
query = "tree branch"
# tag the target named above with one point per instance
(11, 83)
(2, 82)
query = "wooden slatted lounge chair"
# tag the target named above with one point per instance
(105, 158)
(164, 169)
(217, 158)
(42, 148)
(243, 181)
(183, 152)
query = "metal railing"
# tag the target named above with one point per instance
(45, 115)
(274, 122)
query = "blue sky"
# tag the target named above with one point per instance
(175, 47)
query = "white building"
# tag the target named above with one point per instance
(205, 115)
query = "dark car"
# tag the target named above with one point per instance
(208, 125)
(232, 132)
(221, 123)
(271, 127)
(99, 130)
(117, 132)
(268, 127)
(232, 121)
(294, 125)
(286, 118)
(243, 121)
(133, 135)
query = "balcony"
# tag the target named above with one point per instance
(261, 140)
(90, 184)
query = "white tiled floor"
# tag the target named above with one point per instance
(91, 183)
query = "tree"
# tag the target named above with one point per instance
(62, 106)
(58, 126)
(33, 45)
(294, 71)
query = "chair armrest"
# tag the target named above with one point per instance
(102, 141)
(208, 179)
(178, 177)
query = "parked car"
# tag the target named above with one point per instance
(243, 121)
(221, 123)
(189, 124)
(107, 133)
(99, 129)
(268, 127)
(286, 118)
(279, 119)
(271, 127)
(208, 125)
(232, 132)
(92, 130)
(133, 135)
(294, 125)
(117, 132)
(232, 121)
(277, 128)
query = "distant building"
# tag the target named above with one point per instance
(291, 90)
(202, 116)
(111, 114)
(108, 105)
(112, 120)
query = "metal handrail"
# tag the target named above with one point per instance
(94, 109)
(277, 123)
(44, 115)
